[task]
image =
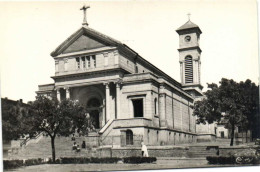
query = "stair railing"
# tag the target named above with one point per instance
(104, 130)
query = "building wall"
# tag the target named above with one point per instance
(193, 42)
(130, 64)
(135, 91)
(220, 129)
(68, 64)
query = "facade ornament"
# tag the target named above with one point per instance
(65, 60)
(115, 53)
(105, 54)
(84, 8)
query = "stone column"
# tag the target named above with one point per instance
(58, 94)
(107, 102)
(162, 109)
(104, 113)
(67, 92)
(118, 100)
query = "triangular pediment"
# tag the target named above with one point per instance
(84, 39)
(84, 42)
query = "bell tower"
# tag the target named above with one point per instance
(189, 58)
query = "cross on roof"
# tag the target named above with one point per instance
(84, 8)
(189, 16)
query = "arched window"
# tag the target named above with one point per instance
(129, 137)
(155, 106)
(188, 70)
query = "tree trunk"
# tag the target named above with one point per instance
(232, 134)
(246, 136)
(53, 148)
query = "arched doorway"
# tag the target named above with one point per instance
(94, 109)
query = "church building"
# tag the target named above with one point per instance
(128, 98)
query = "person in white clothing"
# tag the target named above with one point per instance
(144, 150)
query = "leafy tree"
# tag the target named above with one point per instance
(238, 101)
(54, 117)
(12, 115)
(250, 100)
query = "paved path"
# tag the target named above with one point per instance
(162, 163)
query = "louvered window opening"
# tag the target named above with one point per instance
(188, 70)
(86, 62)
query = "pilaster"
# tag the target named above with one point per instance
(162, 107)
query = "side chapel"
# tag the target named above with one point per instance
(127, 96)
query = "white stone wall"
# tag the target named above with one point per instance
(104, 59)
(220, 129)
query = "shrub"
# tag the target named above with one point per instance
(229, 159)
(8, 164)
(74, 160)
(105, 160)
(29, 162)
(221, 160)
(138, 160)
(83, 160)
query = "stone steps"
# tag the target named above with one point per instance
(63, 147)
(200, 151)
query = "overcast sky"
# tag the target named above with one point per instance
(30, 31)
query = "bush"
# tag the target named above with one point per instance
(29, 162)
(229, 159)
(83, 160)
(8, 164)
(138, 160)
(221, 159)
(105, 160)
(74, 160)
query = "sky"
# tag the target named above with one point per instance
(30, 31)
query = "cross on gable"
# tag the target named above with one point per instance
(84, 8)
(189, 16)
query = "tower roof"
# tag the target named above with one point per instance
(188, 25)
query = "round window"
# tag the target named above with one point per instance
(187, 38)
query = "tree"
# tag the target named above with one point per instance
(250, 100)
(54, 117)
(237, 101)
(12, 115)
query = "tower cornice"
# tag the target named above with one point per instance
(190, 48)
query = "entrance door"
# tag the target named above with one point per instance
(222, 134)
(94, 116)
(93, 107)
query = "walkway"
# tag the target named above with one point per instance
(162, 163)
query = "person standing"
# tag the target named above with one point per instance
(144, 150)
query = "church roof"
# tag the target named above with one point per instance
(188, 25)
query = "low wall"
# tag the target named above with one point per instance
(152, 151)
(206, 138)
